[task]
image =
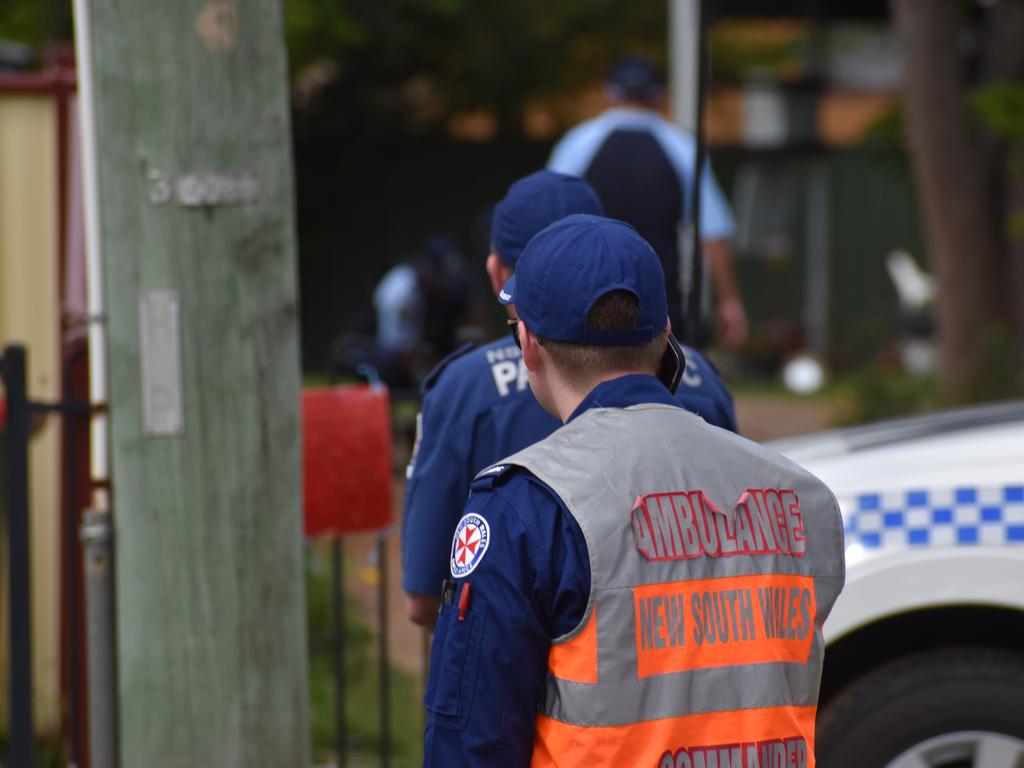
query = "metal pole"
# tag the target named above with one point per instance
(22, 744)
(684, 27)
(816, 236)
(693, 299)
(97, 536)
(385, 704)
(338, 610)
(98, 436)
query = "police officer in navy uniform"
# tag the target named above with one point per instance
(477, 406)
(642, 167)
(639, 588)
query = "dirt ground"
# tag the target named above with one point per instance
(761, 417)
(765, 417)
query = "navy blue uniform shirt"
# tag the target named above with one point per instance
(642, 167)
(478, 408)
(530, 585)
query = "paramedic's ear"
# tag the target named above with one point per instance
(498, 272)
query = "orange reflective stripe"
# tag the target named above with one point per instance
(723, 622)
(746, 738)
(576, 660)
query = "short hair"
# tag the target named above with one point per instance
(614, 311)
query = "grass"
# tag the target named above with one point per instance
(362, 697)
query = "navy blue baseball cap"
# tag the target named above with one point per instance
(531, 204)
(635, 78)
(571, 264)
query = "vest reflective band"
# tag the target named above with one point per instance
(714, 563)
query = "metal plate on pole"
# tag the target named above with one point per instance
(160, 343)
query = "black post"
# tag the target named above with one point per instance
(385, 686)
(337, 598)
(22, 746)
(73, 566)
(694, 315)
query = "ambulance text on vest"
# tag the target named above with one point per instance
(685, 524)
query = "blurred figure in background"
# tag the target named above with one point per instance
(642, 167)
(444, 281)
(398, 305)
(419, 315)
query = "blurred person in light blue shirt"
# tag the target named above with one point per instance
(642, 168)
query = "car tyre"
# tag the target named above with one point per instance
(939, 709)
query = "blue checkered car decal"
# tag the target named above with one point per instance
(952, 517)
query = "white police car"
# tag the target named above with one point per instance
(925, 659)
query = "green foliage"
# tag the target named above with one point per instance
(318, 34)
(1001, 108)
(362, 698)
(409, 60)
(23, 22)
(882, 392)
(1000, 379)
(49, 750)
(739, 48)
(35, 22)
(1015, 225)
(887, 131)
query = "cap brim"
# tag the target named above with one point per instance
(507, 294)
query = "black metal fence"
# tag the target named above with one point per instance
(21, 415)
(21, 749)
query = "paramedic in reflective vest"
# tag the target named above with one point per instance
(477, 405)
(639, 588)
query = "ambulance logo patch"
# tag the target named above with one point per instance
(472, 535)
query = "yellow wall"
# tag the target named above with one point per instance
(29, 316)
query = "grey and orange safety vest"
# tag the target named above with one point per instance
(714, 563)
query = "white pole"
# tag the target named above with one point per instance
(683, 31)
(96, 532)
(100, 470)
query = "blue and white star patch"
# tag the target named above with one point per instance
(472, 535)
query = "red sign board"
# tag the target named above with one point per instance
(346, 464)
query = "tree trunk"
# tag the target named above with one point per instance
(957, 203)
(1003, 62)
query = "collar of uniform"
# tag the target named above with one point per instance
(635, 116)
(632, 389)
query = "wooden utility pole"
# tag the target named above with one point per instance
(196, 235)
